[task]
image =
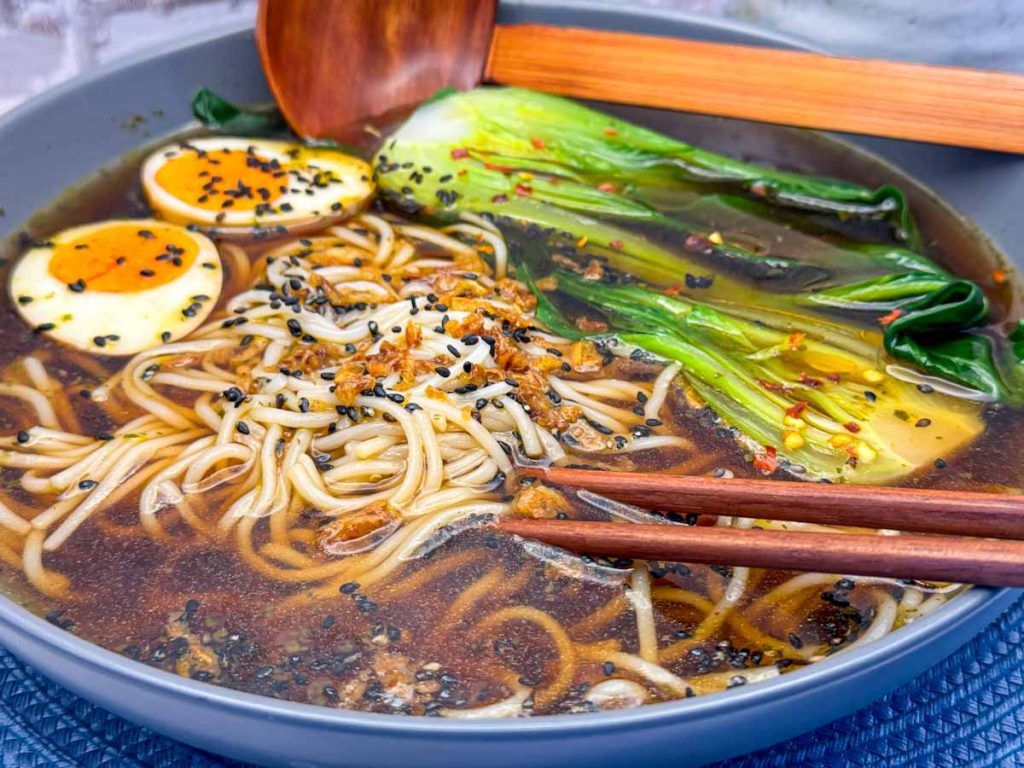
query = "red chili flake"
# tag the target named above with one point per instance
(835, 378)
(673, 290)
(852, 426)
(610, 132)
(771, 386)
(538, 143)
(606, 187)
(766, 462)
(794, 339)
(496, 167)
(810, 382)
(698, 244)
(499, 199)
(999, 276)
(894, 315)
(523, 190)
(796, 409)
(759, 188)
(459, 153)
(615, 245)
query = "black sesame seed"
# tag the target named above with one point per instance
(242, 427)
(23, 436)
(86, 485)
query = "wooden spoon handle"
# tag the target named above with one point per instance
(929, 558)
(945, 105)
(905, 509)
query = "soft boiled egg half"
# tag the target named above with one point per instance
(238, 186)
(118, 287)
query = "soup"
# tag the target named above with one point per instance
(262, 401)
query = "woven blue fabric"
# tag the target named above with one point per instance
(967, 712)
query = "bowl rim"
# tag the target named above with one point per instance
(944, 622)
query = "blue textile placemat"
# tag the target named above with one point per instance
(967, 712)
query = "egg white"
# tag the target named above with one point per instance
(136, 320)
(303, 207)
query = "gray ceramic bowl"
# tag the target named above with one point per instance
(76, 129)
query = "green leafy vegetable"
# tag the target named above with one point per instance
(810, 400)
(214, 112)
(521, 127)
(576, 175)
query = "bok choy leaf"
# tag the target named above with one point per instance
(215, 112)
(801, 399)
(580, 176)
(518, 127)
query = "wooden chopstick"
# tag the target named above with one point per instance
(905, 509)
(967, 558)
(945, 105)
(911, 556)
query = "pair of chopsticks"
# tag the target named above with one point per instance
(957, 536)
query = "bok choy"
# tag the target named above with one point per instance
(532, 158)
(809, 401)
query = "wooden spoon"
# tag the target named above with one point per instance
(336, 64)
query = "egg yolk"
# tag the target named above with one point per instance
(222, 179)
(121, 258)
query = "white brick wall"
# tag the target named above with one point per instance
(43, 42)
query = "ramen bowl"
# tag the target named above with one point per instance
(89, 123)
